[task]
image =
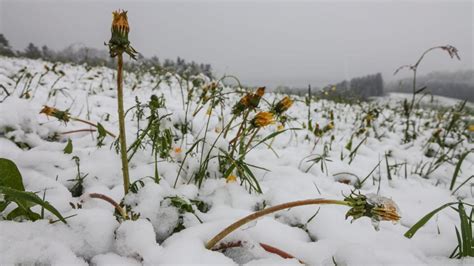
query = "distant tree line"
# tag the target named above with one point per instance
(359, 88)
(79, 54)
(459, 84)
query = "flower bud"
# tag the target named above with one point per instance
(119, 42)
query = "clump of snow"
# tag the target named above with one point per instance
(135, 239)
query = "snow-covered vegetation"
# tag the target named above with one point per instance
(203, 154)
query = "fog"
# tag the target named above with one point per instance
(262, 42)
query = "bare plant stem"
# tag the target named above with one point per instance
(77, 131)
(111, 201)
(93, 125)
(121, 116)
(229, 229)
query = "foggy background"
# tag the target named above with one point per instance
(261, 42)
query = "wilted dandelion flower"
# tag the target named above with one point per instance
(260, 91)
(283, 105)
(54, 112)
(384, 209)
(250, 100)
(263, 119)
(377, 208)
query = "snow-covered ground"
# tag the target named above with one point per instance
(94, 236)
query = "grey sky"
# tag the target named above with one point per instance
(262, 42)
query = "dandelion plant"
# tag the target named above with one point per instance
(376, 207)
(118, 45)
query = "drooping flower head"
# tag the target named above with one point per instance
(249, 101)
(376, 207)
(54, 112)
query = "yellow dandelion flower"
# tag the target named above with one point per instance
(263, 119)
(52, 111)
(471, 128)
(231, 179)
(47, 110)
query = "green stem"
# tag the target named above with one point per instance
(121, 116)
(229, 229)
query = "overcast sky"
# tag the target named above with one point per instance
(262, 42)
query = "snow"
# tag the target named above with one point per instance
(94, 236)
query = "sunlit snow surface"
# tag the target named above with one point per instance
(94, 236)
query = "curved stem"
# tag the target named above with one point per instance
(111, 201)
(229, 229)
(121, 116)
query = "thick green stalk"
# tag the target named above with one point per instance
(121, 116)
(211, 243)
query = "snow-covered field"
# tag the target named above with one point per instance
(93, 235)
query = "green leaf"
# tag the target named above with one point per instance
(102, 134)
(10, 175)
(68, 148)
(411, 232)
(457, 169)
(23, 212)
(23, 199)
(466, 232)
(181, 204)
